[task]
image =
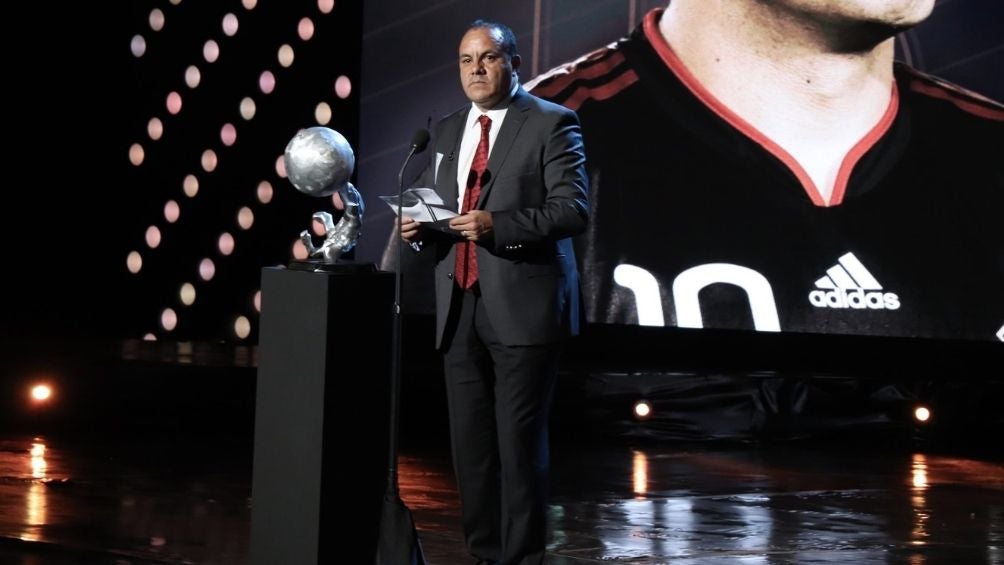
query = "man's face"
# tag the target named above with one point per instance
(894, 14)
(486, 73)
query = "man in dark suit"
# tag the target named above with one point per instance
(507, 288)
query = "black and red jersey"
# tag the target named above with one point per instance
(699, 220)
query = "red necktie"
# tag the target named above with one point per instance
(466, 266)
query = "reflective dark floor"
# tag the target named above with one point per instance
(148, 460)
(110, 500)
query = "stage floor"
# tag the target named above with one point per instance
(122, 500)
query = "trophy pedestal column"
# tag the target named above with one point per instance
(321, 418)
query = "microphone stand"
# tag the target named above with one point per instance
(397, 542)
(395, 367)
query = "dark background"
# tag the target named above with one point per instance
(74, 207)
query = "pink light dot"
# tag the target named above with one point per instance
(230, 25)
(264, 192)
(155, 128)
(343, 86)
(134, 262)
(137, 46)
(280, 167)
(156, 19)
(245, 218)
(325, 6)
(190, 185)
(299, 251)
(173, 102)
(305, 29)
(226, 243)
(172, 211)
(193, 76)
(136, 154)
(153, 237)
(228, 134)
(168, 319)
(209, 160)
(266, 82)
(207, 269)
(211, 51)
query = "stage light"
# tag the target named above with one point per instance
(922, 414)
(41, 393)
(285, 56)
(136, 154)
(187, 294)
(230, 25)
(173, 102)
(343, 86)
(172, 211)
(155, 128)
(322, 113)
(266, 82)
(207, 269)
(153, 237)
(168, 319)
(228, 134)
(190, 185)
(134, 262)
(642, 409)
(226, 243)
(242, 327)
(211, 51)
(209, 160)
(245, 218)
(264, 192)
(280, 166)
(305, 29)
(299, 250)
(156, 19)
(138, 46)
(247, 107)
(193, 76)
(325, 6)
(257, 300)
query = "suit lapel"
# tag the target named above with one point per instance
(511, 125)
(446, 175)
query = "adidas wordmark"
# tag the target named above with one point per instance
(848, 284)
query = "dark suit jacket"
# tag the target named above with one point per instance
(537, 194)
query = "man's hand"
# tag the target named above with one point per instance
(474, 225)
(409, 229)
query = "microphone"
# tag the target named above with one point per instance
(419, 141)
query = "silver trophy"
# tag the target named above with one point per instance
(319, 162)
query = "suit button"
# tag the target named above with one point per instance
(450, 276)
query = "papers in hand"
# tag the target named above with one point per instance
(422, 204)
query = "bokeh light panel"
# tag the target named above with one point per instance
(220, 89)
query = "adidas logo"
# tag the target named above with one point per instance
(848, 284)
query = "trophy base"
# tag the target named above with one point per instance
(342, 267)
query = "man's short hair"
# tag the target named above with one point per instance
(508, 37)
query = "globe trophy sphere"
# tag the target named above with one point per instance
(319, 161)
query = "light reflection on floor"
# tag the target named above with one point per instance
(187, 501)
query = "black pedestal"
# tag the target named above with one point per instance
(320, 446)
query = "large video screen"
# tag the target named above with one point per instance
(698, 219)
